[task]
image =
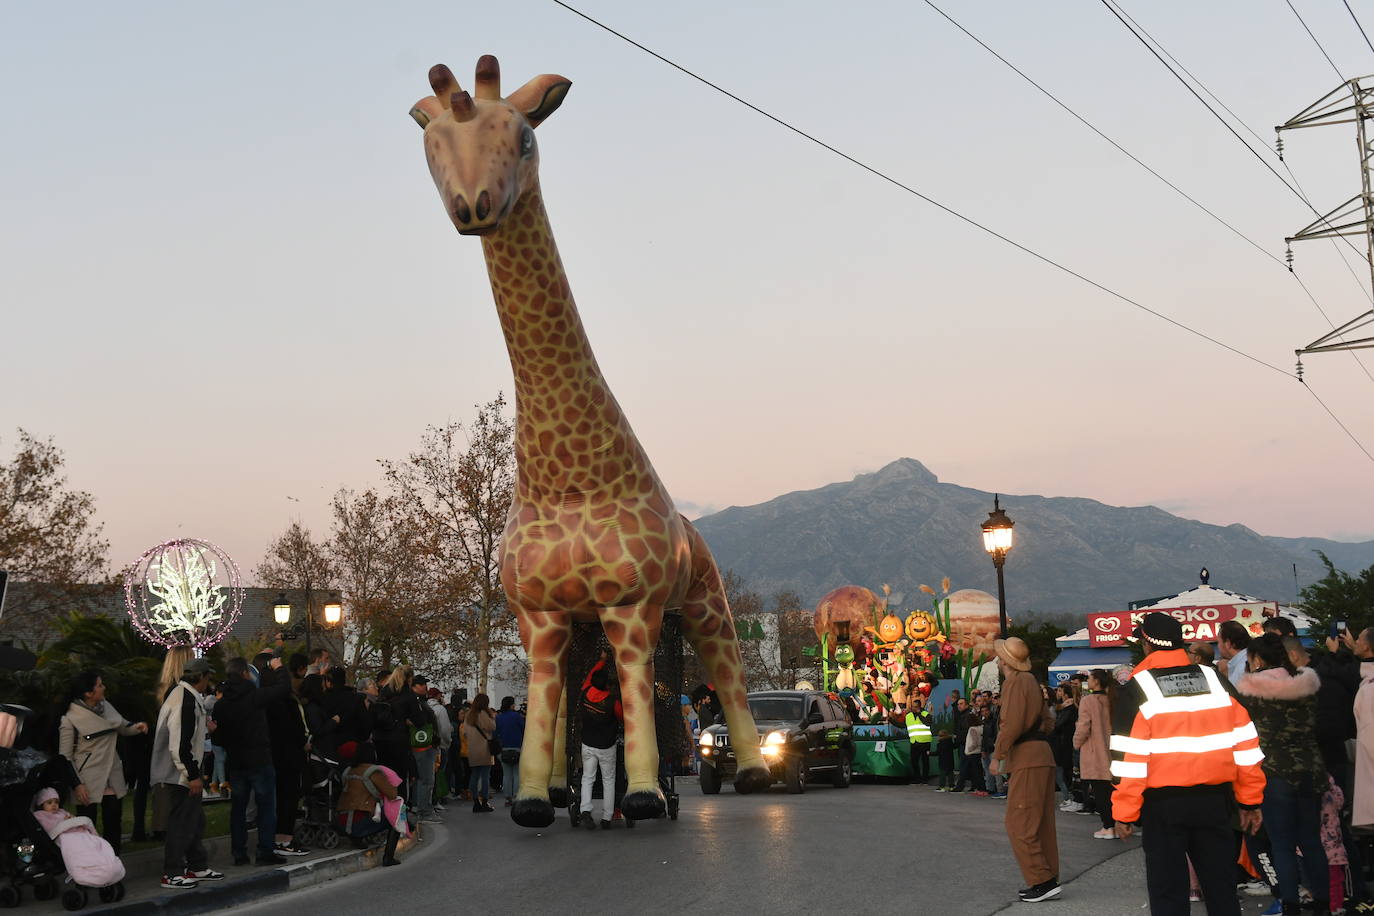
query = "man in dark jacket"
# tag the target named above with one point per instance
(347, 706)
(241, 729)
(286, 725)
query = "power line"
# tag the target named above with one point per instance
(1357, 24)
(1264, 144)
(1086, 123)
(1224, 123)
(1339, 76)
(1151, 45)
(955, 213)
(1343, 427)
(930, 200)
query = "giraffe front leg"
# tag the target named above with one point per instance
(633, 634)
(547, 645)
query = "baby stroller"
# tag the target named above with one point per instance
(28, 856)
(317, 828)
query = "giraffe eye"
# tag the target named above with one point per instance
(526, 142)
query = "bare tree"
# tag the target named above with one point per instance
(796, 633)
(456, 492)
(376, 565)
(295, 561)
(757, 633)
(48, 536)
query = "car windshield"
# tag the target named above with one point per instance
(786, 709)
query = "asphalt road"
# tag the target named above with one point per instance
(876, 847)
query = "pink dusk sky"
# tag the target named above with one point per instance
(230, 286)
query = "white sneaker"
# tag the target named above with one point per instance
(1072, 808)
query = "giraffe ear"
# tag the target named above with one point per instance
(540, 97)
(426, 110)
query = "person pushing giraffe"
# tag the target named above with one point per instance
(592, 533)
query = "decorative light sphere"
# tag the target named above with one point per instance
(184, 592)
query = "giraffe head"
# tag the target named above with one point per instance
(481, 149)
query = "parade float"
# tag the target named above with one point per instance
(877, 658)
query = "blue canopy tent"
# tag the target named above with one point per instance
(1071, 661)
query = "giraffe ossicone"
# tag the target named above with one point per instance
(592, 532)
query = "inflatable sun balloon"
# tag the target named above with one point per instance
(847, 607)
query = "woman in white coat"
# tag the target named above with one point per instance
(1362, 813)
(87, 736)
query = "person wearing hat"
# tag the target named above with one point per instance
(424, 747)
(178, 740)
(1185, 753)
(1022, 753)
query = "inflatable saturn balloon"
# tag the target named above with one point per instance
(973, 621)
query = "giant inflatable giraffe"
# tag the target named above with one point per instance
(592, 533)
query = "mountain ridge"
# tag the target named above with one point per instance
(902, 525)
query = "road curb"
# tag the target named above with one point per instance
(237, 891)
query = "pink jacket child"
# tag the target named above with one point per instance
(89, 859)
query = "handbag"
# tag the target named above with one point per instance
(493, 743)
(510, 755)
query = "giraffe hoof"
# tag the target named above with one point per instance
(532, 812)
(754, 779)
(644, 805)
(558, 796)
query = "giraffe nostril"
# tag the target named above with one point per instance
(461, 210)
(483, 205)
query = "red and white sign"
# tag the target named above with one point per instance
(1200, 622)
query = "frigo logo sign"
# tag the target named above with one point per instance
(1200, 622)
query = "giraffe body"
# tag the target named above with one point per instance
(592, 532)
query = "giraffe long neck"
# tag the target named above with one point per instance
(571, 435)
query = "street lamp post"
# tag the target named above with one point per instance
(281, 612)
(997, 540)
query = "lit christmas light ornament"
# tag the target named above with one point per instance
(183, 593)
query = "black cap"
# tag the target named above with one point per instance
(1160, 631)
(419, 679)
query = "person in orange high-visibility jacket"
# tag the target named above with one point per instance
(1185, 753)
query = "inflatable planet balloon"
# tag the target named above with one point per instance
(973, 621)
(848, 604)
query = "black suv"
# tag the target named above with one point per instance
(804, 735)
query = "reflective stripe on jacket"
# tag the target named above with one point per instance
(1178, 726)
(917, 729)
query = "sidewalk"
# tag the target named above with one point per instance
(1116, 887)
(241, 884)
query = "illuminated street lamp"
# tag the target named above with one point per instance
(997, 540)
(281, 611)
(333, 613)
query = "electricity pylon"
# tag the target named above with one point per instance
(1352, 102)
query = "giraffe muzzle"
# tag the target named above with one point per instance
(478, 220)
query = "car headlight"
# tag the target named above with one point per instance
(775, 738)
(707, 740)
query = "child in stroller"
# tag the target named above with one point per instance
(28, 855)
(89, 859)
(370, 804)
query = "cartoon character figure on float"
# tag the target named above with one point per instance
(844, 678)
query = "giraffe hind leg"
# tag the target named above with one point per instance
(710, 628)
